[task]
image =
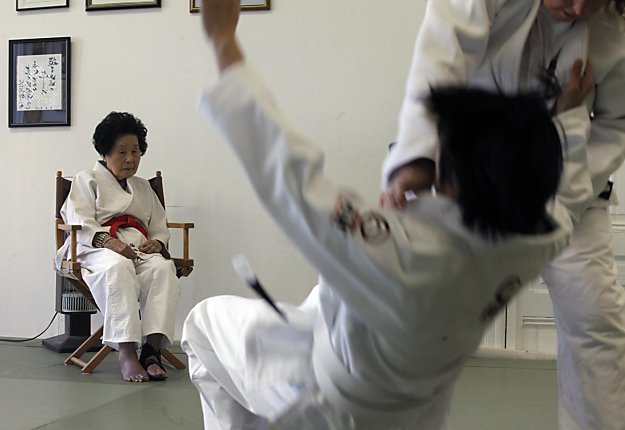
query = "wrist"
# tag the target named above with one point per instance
(101, 239)
(227, 51)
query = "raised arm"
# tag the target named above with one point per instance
(362, 260)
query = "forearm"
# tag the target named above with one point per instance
(227, 52)
(575, 190)
(451, 44)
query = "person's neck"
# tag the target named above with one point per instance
(122, 182)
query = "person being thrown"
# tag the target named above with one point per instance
(404, 296)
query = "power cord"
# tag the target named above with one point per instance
(32, 338)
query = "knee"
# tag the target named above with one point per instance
(198, 323)
(163, 268)
(120, 264)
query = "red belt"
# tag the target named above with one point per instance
(124, 221)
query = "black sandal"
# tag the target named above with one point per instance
(150, 356)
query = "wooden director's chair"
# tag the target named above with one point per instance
(70, 269)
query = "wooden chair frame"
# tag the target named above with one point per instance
(70, 269)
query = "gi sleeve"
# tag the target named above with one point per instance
(157, 227)
(286, 173)
(80, 208)
(450, 46)
(575, 191)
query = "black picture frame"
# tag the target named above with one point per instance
(40, 82)
(23, 5)
(121, 4)
(194, 5)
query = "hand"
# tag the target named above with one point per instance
(576, 90)
(220, 19)
(417, 177)
(121, 248)
(151, 247)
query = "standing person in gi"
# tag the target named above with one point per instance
(404, 297)
(531, 44)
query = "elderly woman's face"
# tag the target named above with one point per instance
(123, 160)
(572, 10)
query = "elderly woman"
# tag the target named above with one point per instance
(122, 248)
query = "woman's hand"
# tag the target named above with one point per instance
(576, 90)
(417, 176)
(151, 247)
(121, 248)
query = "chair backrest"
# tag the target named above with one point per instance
(63, 185)
(157, 185)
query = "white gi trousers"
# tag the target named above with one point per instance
(122, 287)
(589, 309)
(248, 365)
(252, 369)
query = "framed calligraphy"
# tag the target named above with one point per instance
(39, 4)
(194, 5)
(39, 82)
(120, 4)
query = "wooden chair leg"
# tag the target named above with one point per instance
(84, 347)
(88, 367)
(172, 359)
(96, 359)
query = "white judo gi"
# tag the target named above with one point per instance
(122, 287)
(506, 44)
(403, 299)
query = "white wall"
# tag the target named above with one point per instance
(337, 68)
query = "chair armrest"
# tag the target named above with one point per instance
(185, 226)
(72, 229)
(180, 225)
(69, 227)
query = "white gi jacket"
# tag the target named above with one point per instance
(96, 197)
(481, 43)
(404, 297)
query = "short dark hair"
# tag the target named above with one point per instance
(502, 155)
(116, 125)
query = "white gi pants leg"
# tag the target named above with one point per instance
(589, 309)
(223, 405)
(120, 288)
(249, 366)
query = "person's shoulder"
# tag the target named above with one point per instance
(139, 183)
(608, 26)
(85, 175)
(138, 180)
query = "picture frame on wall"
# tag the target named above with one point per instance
(39, 82)
(94, 5)
(21, 5)
(194, 5)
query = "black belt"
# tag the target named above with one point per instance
(607, 191)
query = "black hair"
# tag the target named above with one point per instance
(116, 125)
(502, 156)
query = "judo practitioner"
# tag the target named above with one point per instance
(122, 248)
(404, 297)
(531, 44)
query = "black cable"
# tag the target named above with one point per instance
(32, 338)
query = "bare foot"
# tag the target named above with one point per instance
(156, 372)
(150, 358)
(132, 371)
